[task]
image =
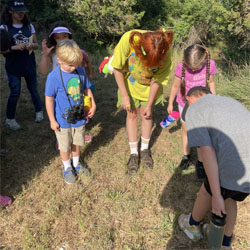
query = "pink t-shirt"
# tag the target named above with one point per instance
(193, 78)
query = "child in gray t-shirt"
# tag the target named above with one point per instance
(220, 126)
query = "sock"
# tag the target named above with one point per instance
(133, 148)
(144, 143)
(75, 160)
(67, 164)
(193, 222)
(227, 240)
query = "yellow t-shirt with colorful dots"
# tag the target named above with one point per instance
(138, 77)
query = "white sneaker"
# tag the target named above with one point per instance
(39, 116)
(192, 232)
(12, 124)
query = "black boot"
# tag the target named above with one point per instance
(185, 162)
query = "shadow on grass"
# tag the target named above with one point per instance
(34, 147)
(107, 117)
(28, 150)
(178, 197)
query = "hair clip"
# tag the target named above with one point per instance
(143, 51)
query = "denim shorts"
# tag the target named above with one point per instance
(226, 193)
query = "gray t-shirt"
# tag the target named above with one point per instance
(224, 124)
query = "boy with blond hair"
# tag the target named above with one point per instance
(65, 87)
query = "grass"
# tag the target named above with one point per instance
(107, 210)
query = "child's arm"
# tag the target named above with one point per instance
(173, 93)
(212, 84)
(49, 102)
(21, 46)
(89, 69)
(32, 45)
(121, 85)
(4, 52)
(154, 86)
(92, 110)
(45, 59)
(212, 171)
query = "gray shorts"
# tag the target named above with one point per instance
(68, 136)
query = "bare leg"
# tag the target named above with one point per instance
(131, 125)
(146, 125)
(185, 147)
(199, 155)
(75, 150)
(64, 156)
(231, 208)
(202, 204)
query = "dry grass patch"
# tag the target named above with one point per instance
(107, 210)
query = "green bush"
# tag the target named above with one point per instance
(105, 19)
(207, 21)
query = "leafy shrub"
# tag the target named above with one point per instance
(104, 19)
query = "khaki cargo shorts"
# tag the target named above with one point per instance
(68, 136)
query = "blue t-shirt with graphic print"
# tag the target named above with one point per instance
(74, 87)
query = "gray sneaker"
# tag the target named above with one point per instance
(39, 116)
(12, 124)
(82, 169)
(69, 176)
(192, 232)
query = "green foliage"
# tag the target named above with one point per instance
(231, 22)
(212, 21)
(154, 13)
(50, 13)
(104, 19)
(205, 21)
(183, 15)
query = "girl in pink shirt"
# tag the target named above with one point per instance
(196, 69)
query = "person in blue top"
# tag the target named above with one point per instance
(20, 59)
(65, 88)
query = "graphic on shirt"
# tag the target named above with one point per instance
(138, 73)
(74, 89)
(20, 38)
(131, 65)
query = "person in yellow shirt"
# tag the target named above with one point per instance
(142, 63)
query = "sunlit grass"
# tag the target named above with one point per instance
(107, 210)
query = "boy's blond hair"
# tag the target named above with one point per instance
(69, 52)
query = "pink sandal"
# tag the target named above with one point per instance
(5, 201)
